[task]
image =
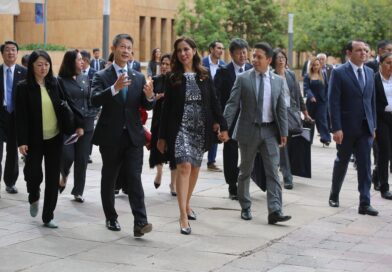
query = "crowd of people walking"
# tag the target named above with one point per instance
(251, 106)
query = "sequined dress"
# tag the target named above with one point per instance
(189, 144)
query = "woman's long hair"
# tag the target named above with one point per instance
(310, 72)
(177, 69)
(50, 81)
(68, 65)
(154, 51)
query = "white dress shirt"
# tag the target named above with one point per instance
(355, 68)
(267, 107)
(387, 84)
(213, 67)
(118, 68)
(237, 68)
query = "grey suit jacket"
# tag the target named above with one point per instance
(243, 96)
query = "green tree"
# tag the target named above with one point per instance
(327, 25)
(203, 22)
(255, 21)
(208, 20)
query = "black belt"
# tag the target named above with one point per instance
(267, 124)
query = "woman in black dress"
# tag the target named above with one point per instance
(191, 117)
(316, 88)
(77, 87)
(157, 159)
(154, 67)
(383, 86)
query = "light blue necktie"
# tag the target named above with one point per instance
(9, 84)
(360, 79)
(124, 90)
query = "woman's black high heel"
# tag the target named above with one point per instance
(185, 231)
(62, 187)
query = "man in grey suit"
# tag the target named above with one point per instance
(261, 126)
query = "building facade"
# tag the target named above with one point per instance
(79, 24)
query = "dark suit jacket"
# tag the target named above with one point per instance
(374, 65)
(224, 81)
(381, 99)
(91, 73)
(101, 63)
(349, 107)
(79, 92)
(328, 71)
(173, 110)
(28, 111)
(295, 90)
(117, 113)
(19, 74)
(305, 68)
(136, 66)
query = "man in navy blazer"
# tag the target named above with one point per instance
(212, 62)
(224, 81)
(97, 63)
(353, 119)
(119, 132)
(135, 65)
(15, 73)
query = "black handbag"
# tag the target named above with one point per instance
(66, 114)
(294, 120)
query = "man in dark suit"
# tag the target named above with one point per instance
(97, 63)
(261, 127)
(10, 74)
(87, 69)
(135, 65)
(326, 68)
(383, 47)
(353, 118)
(119, 132)
(212, 63)
(224, 81)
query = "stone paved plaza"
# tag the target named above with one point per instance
(318, 238)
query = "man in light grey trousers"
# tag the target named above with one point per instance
(261, 126)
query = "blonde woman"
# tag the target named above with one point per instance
(316, 88)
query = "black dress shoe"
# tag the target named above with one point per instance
(367, 210)
(333, 203)
(288, 184)
(140, 230)
(376, 186)
(233, 192)
(387, 195)
(11, 189)
(192, 216)
(276, 217)
(113, 225)
(246, 214)
(116, 191)
(233, 196)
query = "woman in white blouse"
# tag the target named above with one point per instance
(383, 85)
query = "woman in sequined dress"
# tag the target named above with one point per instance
(191, 120)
